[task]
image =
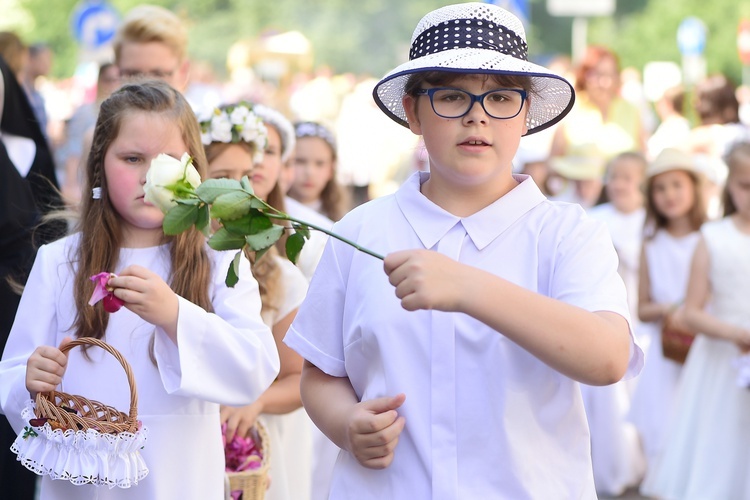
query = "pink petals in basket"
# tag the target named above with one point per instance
(241, 453)
(105, 293)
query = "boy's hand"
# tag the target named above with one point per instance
(45, 368)
(148, 296)
(239, 419)
(373, 431)
(425, 279)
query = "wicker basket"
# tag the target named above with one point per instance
(254, 483)
(77, 412)
(66, 431)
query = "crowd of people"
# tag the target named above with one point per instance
(626, 223)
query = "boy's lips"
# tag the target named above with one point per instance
(474, 141)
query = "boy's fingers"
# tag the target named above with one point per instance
(394, 260)
(384, 404)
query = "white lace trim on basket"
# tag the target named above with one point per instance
(81, 457)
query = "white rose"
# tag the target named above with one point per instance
(191, 173)
(164, 177)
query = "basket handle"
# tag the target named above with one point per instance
(133, 413)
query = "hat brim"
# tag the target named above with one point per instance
(551, 99)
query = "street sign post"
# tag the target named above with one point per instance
(580, 10)
(691, 40)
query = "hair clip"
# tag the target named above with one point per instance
(96, 193)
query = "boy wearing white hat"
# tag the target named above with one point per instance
(464, 382)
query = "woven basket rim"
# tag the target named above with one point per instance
(108, 419)
(253, 482)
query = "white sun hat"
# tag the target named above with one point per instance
(476, 38)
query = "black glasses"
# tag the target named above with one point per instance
(454, 103)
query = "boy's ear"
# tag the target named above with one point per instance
(183, 75)
(410, 107)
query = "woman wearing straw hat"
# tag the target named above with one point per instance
(455, 373)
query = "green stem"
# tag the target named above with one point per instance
(284, 216)
(274, 213)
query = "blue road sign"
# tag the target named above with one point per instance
(691, 36)
(94, 23)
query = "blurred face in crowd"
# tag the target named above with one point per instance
(152, 60)
(603, 81)
(313, 165)
(673, 193)
(623, 186)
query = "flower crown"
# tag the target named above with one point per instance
(235, 123)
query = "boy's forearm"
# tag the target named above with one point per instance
(593, 348)
(328, 401)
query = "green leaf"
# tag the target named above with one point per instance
(294, 245)
(224, 240)
(211, 189)
(302, 229)
(259, 223)
(179, 218)
(188, 201)
(203, 219)
(258, 204)
(230, 206)
(232, 277)
(233, 273)
(264, 238)
(246, 184)
(240, 226)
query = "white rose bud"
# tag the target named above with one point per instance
(165, 176)
(221, 128)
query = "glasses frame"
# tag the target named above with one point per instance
(474, 98)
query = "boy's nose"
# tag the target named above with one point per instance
(476, 114)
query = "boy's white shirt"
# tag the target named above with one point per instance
(483, 416)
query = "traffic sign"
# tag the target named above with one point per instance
(581, 8)
(691, 36)
(743, 41)
(94, 23)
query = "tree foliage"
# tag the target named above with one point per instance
(371, 36)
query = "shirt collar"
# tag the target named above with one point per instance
(431, 222)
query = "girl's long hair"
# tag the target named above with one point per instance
(738, 154)
(100, 224)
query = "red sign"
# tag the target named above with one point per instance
(743, 41)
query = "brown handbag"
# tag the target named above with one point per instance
(675, 342)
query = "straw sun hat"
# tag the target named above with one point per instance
(672, 159)
(476, 38)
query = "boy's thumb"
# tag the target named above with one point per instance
(388, 403)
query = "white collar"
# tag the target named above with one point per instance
(431, 222)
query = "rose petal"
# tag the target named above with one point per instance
(100, 288)
(111, 303)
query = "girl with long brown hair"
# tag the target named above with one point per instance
(192, 342)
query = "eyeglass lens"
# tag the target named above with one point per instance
(453, 103)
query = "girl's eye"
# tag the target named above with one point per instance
(132, 159)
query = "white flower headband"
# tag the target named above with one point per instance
(235, 123)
